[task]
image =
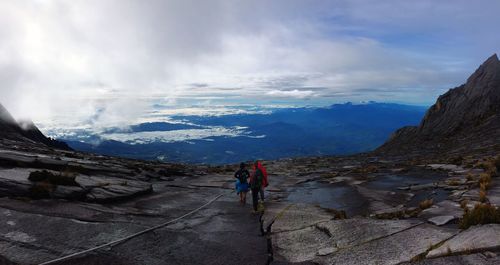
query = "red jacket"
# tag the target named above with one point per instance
(265, 181)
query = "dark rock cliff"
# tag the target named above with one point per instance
(11, 129)
(465, 118)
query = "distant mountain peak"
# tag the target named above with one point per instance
(464, 112)
(5, 116)
(11, 129)
(488, 71)
(492, 58)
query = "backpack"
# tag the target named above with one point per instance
(242, 175)
(265, 180)
(257, 178)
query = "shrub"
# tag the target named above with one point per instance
(39, 175)
(41, 190)
(64, 179)
(366, 169)
(497, 163)
(483, 165)
(426, 204)
(453, 182)
(481, 214)
(469, 177)
(494, 169)
(484, 181)
(338, 214)
(391, 215)
(457, 160)
(482, 195)
(463, 204)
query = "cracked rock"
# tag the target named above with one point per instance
(477, 238)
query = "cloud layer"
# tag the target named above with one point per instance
(107, 61)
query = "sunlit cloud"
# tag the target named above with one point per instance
(105, 63)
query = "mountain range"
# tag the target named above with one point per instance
(463, 120)
(336, 130)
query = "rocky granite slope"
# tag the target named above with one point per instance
(465, 119)
(360, 209)
(25, 131)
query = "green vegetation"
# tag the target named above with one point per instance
(65, 178)
(482, 213)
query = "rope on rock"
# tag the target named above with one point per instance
(121, 240)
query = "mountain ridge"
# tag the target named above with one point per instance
(25, 131)
(465, 117)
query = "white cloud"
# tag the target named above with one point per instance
(176, 135)
(301, 94)
(106, 61)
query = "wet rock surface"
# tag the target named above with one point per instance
(324, 210)
(392, 228)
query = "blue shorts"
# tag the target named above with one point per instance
(241, 187)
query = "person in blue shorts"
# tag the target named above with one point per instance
(242, 176)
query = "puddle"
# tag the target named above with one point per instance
(337, 196)
(341, 196)
(437, 195)
(392, 182)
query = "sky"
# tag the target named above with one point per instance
(109, 61)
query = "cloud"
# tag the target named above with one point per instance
(300, 94)
(105, 62)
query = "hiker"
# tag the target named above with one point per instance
(256, 185)
(265, 181)
(242, 176)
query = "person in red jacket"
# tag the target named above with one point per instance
(265, 181)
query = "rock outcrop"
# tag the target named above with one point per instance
(465, 118)
(13, 130)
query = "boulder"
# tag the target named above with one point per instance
(443, 208)
(441, 220)
(395, 249)
(294, 217)
(473, 259)
(325, 238)
(14, 182)
(68, 192)
(476, 238)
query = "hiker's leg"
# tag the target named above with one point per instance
(255, 198)
(245, 197)
(261, 191)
